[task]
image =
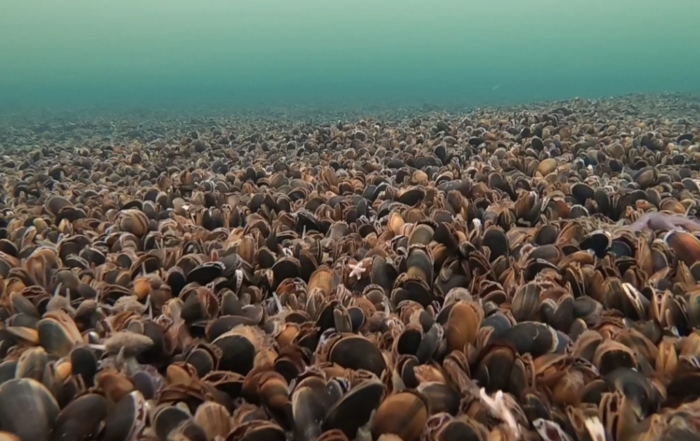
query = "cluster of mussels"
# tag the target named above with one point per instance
(505, 274)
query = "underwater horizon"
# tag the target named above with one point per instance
(177, 54)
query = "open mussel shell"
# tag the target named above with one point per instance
(273, 393)
(403, 414)
(32, 363)
(526, 302)
(28, 409)
(206, 273)
(496, 241)
(685, 245)
(203, 359)
(286, 268)
(419, 264)
(257, 430)
(534, 338)
(422, 234)
(127, 419)
(323, 279)
(355, 408)
(356, 352)
(494, 367)
(637, 388)
(582, 192)
(172, 422)
(442, 397)
(461, 428)
(308, 410)
(462, 326)
(58, 333)
(134, 221)
(7, 370)
(81, 418)
(147, 383)
(598, 241)
(214, 419)
(84, 363)
(238, 347)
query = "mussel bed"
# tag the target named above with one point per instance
(514, 273)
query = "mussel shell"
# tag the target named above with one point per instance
(412, 196)
(441, 397)
(55, 203)
(264, 432)
(81, 418)
(419, 264)
(497, 241)
(21, 304)
(32, 363)
(286, 268)
(355, 352)
(408, 341)
(26, 400)
(534, 407)
(308, 412)
(146, 383)
(598, 241)
(636, 388)
(403, 414)
(205, 273)
(202, 360)
(422, 234)
(230, 383)
(462, 429)
(238, 352)
(494, 367)
(535, 338)
(214, 419)
(684, 388)
(7, 370)
(498, 322)
(55, 338)
(685, 245)
(415, 290)
(127, 418)
(167, 419)
(582, 192)
(526, 302)
(355, 408)
(176, 280)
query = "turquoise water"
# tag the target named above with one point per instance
(251, 53)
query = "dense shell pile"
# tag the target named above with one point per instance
(505, 274)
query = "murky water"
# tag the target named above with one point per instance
(251, 53)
